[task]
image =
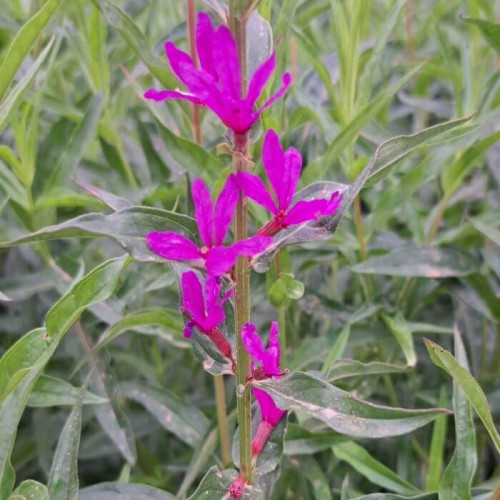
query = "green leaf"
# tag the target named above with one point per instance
(369, 467)
(352, 130)
(10, 102)
(338, 348)
(185, 421)
(128, 227)
(436, 452)
(22, 43)
(457, 478)
(135, 39)
(50, 391)
(491, 232)
(467, 383)
(301, 441)
(400, 146)
(344, 368)
(453, 175)
(121, 491)
(77, 146)
(33, 351)
(424, 262)
(30, 490)
(402, 333)
(96, 286)
(63, 478)
(489, 30)
(307, 467)
(16, 363)
(342, 411)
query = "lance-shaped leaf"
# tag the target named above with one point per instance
(457, 478)
(63, 478)
(22, 43)
(345, 368)
(94, 287)
(467, 383)
(424, 262)
(375, 471)
(214, 485)
(51, 391)
(386, 155)
(128, 227)
(8, 106)
(185, 421)
(342, 411)
(402, 333)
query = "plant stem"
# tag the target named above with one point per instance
(195, 109)
(242, 273)
(358, 221)
(220, 399)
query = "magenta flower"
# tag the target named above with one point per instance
(270, 416)
(283, 171)
(217, 84)
(204, 309)
(213, 222)
(269, 360)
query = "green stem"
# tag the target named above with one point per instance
(282, 329)
(220, 400)
(242, 272)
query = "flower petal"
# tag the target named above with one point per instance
(259, 79)
(293, 165)
(215, 313)
(162, 95)
(203, 211)
(188, 329)
(312, 209)
(224, 208)
(273, 342)
(172, 246)
(286, 80)
(254, 188)
(269, 411)
(273, 159)
(252, 342)
(226, 62)
(205, 35)
(192, 295)
(251, 246)
(220, 259)
(178, 60)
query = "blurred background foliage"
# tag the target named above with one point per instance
(418, 255)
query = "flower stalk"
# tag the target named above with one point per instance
(242, 271)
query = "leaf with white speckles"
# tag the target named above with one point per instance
(342, 411)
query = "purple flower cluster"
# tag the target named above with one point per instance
(216, 84)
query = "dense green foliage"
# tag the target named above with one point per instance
(99, 385)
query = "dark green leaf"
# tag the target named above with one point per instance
(122, 491)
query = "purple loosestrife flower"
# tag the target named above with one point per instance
(203, 309)
(213, 222)
(217, 83)
(283, 171)
(269, 359)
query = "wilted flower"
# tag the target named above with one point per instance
(213, 221)
(217, 84)
(283, 171)
(204, 309)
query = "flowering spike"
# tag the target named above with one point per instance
(216, 84)
(283, 171)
